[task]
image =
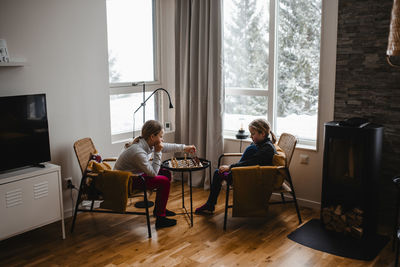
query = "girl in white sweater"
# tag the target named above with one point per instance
(136, 159)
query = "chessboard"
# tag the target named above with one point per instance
(187, 163)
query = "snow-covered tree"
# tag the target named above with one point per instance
(114, 75)
(299, 46)
(246, 56)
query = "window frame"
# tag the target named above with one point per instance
(126, 136)
(272, 80)
(131, 87)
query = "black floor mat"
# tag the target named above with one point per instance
(313, 235)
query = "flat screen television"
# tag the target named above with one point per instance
(24, 132)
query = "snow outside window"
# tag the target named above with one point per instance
(131, 31)
(285, 92)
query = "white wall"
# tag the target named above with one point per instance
(307, 179)
(65, 45)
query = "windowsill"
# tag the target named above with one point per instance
(131, 84)
(248, 140)
(231, 138)
(306, 147)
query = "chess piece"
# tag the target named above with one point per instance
(196, 160)
(186, 161)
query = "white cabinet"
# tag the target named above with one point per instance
(30, 198)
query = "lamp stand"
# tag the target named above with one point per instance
(241, 135)
(142, 204)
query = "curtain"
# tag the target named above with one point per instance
(198, 77)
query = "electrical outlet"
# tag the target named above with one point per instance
(304, 159)
(167, 126)
(68, 182)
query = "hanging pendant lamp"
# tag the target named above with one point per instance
(393, 50)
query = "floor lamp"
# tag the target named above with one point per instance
(141, 204)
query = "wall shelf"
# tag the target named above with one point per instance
(13, 64)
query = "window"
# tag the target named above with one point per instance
(130, 40)
(132, 57)
(271, 67)
(121, 110)
(246, 43)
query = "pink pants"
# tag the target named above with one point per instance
(160, 182)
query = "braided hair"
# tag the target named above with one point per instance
(263, 126)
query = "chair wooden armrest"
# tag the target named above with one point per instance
(110, 159)
(228, 155)
(232, 154)
(95, 174)
(92, 174)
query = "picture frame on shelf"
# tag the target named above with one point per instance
(4, 57)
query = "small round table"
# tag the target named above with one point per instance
(205, 163)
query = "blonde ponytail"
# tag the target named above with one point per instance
(273, 137)
(134, 141)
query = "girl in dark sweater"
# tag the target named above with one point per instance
(260, 152)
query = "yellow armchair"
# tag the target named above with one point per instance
(254, 185)
(96, 176)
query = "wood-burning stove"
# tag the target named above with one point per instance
(352, 160)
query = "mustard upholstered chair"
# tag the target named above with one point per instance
(287, 143)
(84, 150)
(278, 175)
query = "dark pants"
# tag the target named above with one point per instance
(216, 185)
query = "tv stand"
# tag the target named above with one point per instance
(30, 198)
(39, 165)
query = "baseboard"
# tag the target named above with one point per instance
(301, 201)
(68, 213)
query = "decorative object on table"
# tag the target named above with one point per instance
(141, 204)
(3, 51)
(241, 134)
(393, 50)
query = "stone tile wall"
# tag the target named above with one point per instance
(366, 86)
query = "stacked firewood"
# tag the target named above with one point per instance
(349, 222)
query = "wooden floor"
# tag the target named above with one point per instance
(121, 240)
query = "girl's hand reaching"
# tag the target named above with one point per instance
(190, 149)
(223, 168)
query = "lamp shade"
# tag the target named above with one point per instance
(394, 34)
